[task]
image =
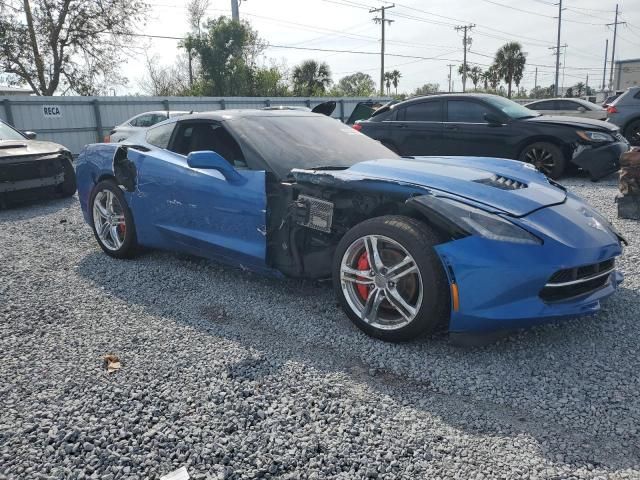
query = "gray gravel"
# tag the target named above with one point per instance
(237, 376)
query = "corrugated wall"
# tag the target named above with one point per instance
(77, 121)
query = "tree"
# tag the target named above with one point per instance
(427, 89)
(164, 81)
(395, 79)
(75, 45)
(196, 10)
(475, 74)
(509, 63)
(270, 82)
(580, 89)
(356, 85)
(493, 77)
(311, 78)
(486, 77)
(228, 53)
(388, 78)
(569, 93)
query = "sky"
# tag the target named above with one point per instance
(421, 41)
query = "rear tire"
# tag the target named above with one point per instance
(68, 186)
(546, 157)
(112, 221)
(632, 133)
(400, 294)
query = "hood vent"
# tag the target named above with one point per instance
(503, 183)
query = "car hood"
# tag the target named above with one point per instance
(18, 148)
(506, 186)
(577, 122)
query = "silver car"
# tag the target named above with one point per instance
(625, 113)
(574, 107)
(140, 122)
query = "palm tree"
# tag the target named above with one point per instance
(493, 77)
(486, 78)
(388, 78)
(475, 74)
(395, 79)
(510, 62)
(311, 78)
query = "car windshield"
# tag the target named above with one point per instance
(510, 108)
(8, 133)
(307, 141)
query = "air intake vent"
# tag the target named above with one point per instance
(314, 213)
(503, 183)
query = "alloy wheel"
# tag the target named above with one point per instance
(109, 220)
(381, 282)
(541, 158)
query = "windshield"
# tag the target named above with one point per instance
(8, 133)
(510, 108)
(313, 141)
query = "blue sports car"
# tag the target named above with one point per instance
(474, 244)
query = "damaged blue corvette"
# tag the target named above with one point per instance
(413, 244)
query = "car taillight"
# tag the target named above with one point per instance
(107, 138)
(612, 109)
(357, 126)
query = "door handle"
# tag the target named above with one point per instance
(452, 127)
(402, 125)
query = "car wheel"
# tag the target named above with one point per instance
(546, 157)
(389, 280)
(632, 133)
(68, 186)
(112, 221)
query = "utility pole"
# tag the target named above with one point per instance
(613, 48)
(466, 42)
(558, 48)
(382, 21)
(450, 78)
(535, 83)
(604, 71)
(235, 11)
(586, 86)
(556, 87)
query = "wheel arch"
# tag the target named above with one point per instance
(564, 146)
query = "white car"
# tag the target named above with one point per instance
(140, 122)
(573, 107)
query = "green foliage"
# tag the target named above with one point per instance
(388, 78)
(395, 79)
(509, 64)
(356, 85)
(427, 89)
(311, 78)
(475, 74)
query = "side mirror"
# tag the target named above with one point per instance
(493, 119)
(208, 159)
(30, 135)
(582, 109)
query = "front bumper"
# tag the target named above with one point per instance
(20, 173)
(600, 161)
(500, 284)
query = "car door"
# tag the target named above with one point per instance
(546, 107)
(417, 128)
(467, 132)
(197, 210)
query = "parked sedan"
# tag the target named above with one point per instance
(139, 122)
(574, 107)
(478, 244)
(624, 112)
(28, 166)
(493, 126)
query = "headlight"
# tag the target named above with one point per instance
(484, 224)
(594, 137)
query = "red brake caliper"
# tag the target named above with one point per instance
(363, 264)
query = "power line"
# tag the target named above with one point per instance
(466, 42)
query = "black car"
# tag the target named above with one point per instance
(29, 167)
(493, 126)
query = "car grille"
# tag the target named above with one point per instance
(30, 169)
(573, 282)
(503, 183)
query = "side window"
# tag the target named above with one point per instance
(143, 121)
(463, 111)
(547, 105)
(158, 117)
(423, 112)
(160, 136)
(197, 136)
(567, 105)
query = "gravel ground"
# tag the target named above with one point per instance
(237, 376)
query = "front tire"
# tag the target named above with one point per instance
(68, 186)
(112, 221)
(389, 280)
(546, 157)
